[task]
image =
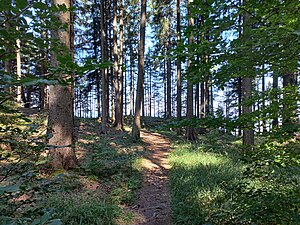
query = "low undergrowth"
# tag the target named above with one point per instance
(94, 193)
(214, 181)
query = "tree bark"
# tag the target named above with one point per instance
(121, 72)
(275, 101)
(169, 88)
(141, 70)
(248, 132)
(117, 82)
(178, 62)
(60, 120)
(197, 103)
(290, 98)
(239, 92)
(95, 46)
(104, 77)
(202, 100)
(131, 83)
(190, 131)
(207, 98)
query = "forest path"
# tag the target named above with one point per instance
(153, 203)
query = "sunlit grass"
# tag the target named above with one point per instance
(197, 180)
(212, 183)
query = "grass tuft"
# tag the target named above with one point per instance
(83, 209)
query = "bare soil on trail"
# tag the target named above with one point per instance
(153, 203)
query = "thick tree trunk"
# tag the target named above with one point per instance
(60, 120)
(248, 132)
(140, 85)
(190, 131)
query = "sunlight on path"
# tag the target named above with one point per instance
(153, 204)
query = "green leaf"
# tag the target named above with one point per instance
(4, 5)
(21, 4)
(40, 5)
(35, 81)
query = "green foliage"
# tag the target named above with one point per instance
(115, 161)
(216, 183)
(83, 209)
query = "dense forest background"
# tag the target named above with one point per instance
(194, 66)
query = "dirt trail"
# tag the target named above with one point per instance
(153, 204)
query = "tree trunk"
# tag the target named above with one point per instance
(207, 92)
(202, 100)
(95, 47)
(18, 65)
(131, 84)
(264, 122)
(118, 102)
(60, 120)
(169, 88)
(248, 132)
(290, 97)
(121, 72)
(239, 88)
(104, 116)
(178, 62)
(239, 91)
(150, 92)
(141, 70)
(165, 84)
(190, 131)
(275, 101)
(197, 103)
